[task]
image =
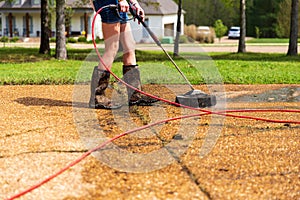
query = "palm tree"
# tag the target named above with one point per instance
(293, 43)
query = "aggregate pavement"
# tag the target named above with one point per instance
(43, 128)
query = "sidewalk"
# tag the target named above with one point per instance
(224, 46)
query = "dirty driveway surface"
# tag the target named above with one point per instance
(251, 159)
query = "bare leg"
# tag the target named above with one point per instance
(111, 34)
(131, 71)
(100, 77)
(128, 44)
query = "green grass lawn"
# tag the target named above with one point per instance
(26, 66)
(41, 72)
(270, 40)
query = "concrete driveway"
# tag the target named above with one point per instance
(250, 160)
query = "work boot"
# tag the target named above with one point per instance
(131, 75)
(99, 83)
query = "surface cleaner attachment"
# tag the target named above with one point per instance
(196, 99)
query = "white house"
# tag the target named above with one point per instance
(22, 19)
(161, 17)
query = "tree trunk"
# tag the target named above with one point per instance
(178, 31)
(45, 32)
(293, 43)
(61, 51)
(242, 42)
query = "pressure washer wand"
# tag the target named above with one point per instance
(156, 40)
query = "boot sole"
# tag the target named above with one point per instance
(104, 107)
(142, 103)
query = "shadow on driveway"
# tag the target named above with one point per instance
(35, 101)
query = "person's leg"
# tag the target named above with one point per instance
(128, 44)
(131, 72)
(111, 34)
(101, 76)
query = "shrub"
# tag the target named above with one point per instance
(213, 34)
(191, 32)
(97, 40)
(220, 29)
(14, 39)
(71, 40)
(257, 32)
(82, 39)
(4, 39)
(53, 39)
(183, 39)
(206, 37)
(196, 34)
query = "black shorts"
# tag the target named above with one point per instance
(109, 15)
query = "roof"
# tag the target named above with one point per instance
(76, 4)
(151, 7)
(159, 7)
(25, 5)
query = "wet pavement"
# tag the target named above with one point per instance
(286, 94)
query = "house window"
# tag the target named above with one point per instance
(30, 25)
(82, 24)
(36, 2)
(13, 25)
(169, 30)
(89, 24)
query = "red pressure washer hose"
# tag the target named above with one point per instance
(223, 113)
(83, 156)
(206, 112)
